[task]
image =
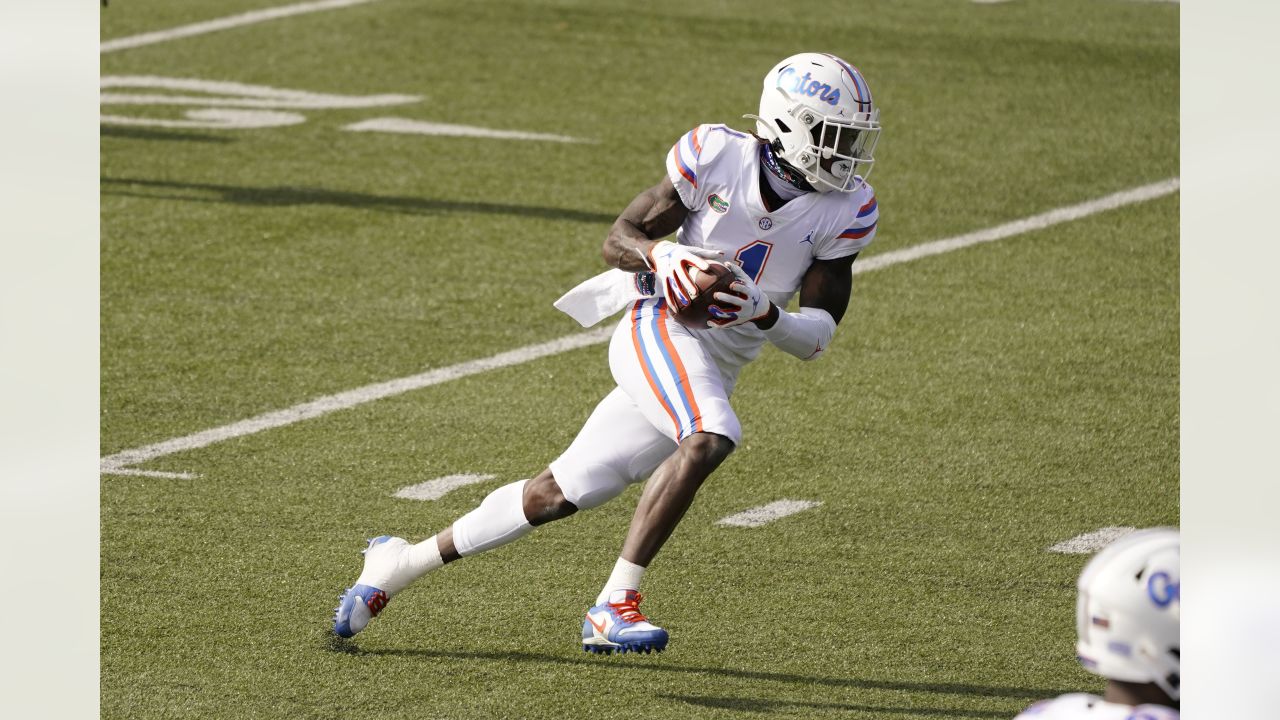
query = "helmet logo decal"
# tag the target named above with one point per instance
(1162, 589)
(805, 85)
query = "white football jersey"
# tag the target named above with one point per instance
(716, 171)
(1082, 706)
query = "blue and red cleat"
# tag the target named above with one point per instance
(619, 626)
(362, 602)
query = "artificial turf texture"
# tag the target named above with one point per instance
(975, 408)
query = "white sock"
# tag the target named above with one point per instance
(499, 520)
(422, 558)
(626, 576)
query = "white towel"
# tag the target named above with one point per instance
(603, 295)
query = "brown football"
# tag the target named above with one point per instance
(695, 314)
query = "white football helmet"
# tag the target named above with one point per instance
(1128, 612)
(817, 111)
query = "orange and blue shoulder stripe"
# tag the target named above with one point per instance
(856, 233)
(691, 145)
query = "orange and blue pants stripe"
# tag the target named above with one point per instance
(662, 366)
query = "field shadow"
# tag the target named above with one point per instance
(653, 665)
(135, 133)
(288, 196)
(743, 704)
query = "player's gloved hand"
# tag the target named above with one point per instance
(671, 262)
(747, 302)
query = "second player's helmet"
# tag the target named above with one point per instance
(816, 110)
(1127, 615)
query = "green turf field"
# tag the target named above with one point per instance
(977, 407)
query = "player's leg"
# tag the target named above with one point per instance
(684, 394)
(392, 564)
(669, 493)
(613, 446)
(541, 501)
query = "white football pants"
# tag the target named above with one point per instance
(669, 387)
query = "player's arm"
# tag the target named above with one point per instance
(824, 297)
(826, 285)
(654, 214)
(633, 244)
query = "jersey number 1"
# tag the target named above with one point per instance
(753, 257)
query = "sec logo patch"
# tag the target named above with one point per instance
(765, 223)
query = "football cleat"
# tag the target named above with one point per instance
(362, 602)
(619, 626)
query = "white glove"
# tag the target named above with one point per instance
(671, 262)
(747, 302)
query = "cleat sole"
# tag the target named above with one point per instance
(623, 649)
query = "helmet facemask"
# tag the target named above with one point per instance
(844, 150)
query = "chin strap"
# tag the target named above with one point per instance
(781, 170)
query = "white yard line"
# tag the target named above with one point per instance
(438, 488)
(1018, 227)
(151, 473)
(200, 28)
(1091, 542)
(351, 398)
(757, 516)
(213, 118)
(222, 94)
(423, 127)
(359, 396)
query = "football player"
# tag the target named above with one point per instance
(789, 208)
(1127, 618)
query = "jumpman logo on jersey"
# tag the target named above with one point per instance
(808, 238)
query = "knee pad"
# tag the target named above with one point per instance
(587, 486)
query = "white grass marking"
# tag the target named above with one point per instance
(351, 398)
(359, 396)
(438, 488)
(1091, 542)
(221, 93)
(1018, 227)
(200, 28)
(422, 127)
(213, 118)
(757, 516)
(149, 473)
